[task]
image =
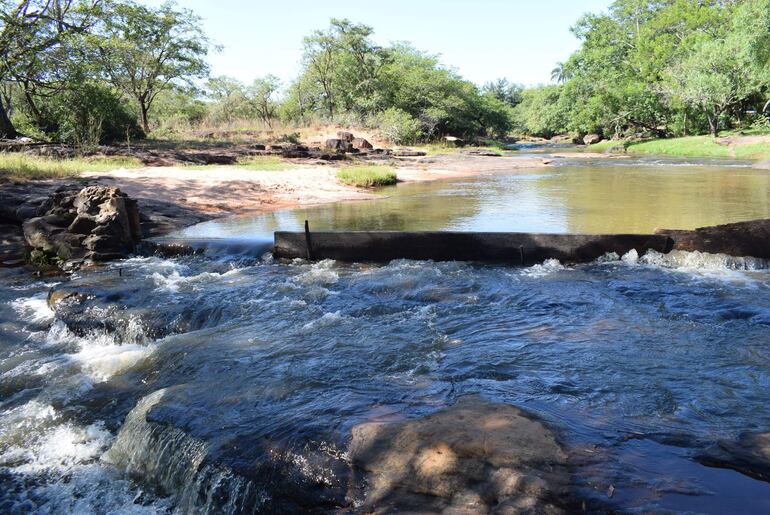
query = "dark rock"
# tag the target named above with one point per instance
(97, 223)
(361, 144)
(345, 136)
(591, 139)
(751, 239)
(338, 145)
(408, 152)
(749, 454)
(474, 457)
(479, 152)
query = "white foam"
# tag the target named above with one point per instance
(321, 273)
(34, 310)
(327, 320)
(174, 280)
(547, 267)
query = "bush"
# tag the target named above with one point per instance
(399, 127)
(92, 114)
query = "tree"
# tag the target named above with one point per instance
(504, 90)
(262, 93)
(31, 32)
(319, 58)
(560, 73)
(146, 51)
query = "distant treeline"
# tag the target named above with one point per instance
(95, 71)
(660, 68)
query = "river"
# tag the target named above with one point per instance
(229, 382)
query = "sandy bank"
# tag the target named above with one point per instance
(223, 190)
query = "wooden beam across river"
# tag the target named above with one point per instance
(741, 239)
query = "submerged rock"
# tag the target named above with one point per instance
(475, 457)
(749, 454)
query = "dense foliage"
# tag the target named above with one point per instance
(658, 67)
(95, 71)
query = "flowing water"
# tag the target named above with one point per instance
(229, 382)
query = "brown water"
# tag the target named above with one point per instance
(598, 196)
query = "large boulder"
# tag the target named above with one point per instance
(474, 457)
(97, 223)
(361, 144)
(338, 145)
(592, 139)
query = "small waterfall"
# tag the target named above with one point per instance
(174, 462)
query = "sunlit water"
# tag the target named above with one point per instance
(231, 383)
(595, 196)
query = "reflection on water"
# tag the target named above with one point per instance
(619, 196)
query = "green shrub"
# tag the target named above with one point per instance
(399, 126)
(367, 176)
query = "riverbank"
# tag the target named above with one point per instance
(747, 147)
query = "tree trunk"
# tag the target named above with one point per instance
(145, 120)
(713, 124)
(7, 130)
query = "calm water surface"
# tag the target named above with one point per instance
(595, 196)
(228, 383)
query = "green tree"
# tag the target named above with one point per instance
(34, 35)
(262, 92)
(145, 51)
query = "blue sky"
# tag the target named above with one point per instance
(484, 39)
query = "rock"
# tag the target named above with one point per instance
(338, 145)
(362, 144)
(454, 141)
(591, 139)
(474, 457)
(749, 454)
(97, 223)
(483, 153)
(345, 136)
(408, 152)
(744, 239)
(762, 165)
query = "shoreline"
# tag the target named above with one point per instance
(221, 191)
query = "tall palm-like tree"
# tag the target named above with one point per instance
(560, 74)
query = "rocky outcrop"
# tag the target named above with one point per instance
(737, 239)
(591, 139)
(97, 223)
(475, 457)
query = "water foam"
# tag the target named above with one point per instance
(33, 310)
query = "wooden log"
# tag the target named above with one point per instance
(512, 248)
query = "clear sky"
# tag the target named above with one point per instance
(484, 39)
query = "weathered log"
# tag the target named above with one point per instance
(737, 239)
(512, 248)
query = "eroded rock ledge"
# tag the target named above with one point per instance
(474, 457)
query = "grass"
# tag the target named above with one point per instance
(690, 146)
(266, 164)
(15, 166)
(367, 176)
